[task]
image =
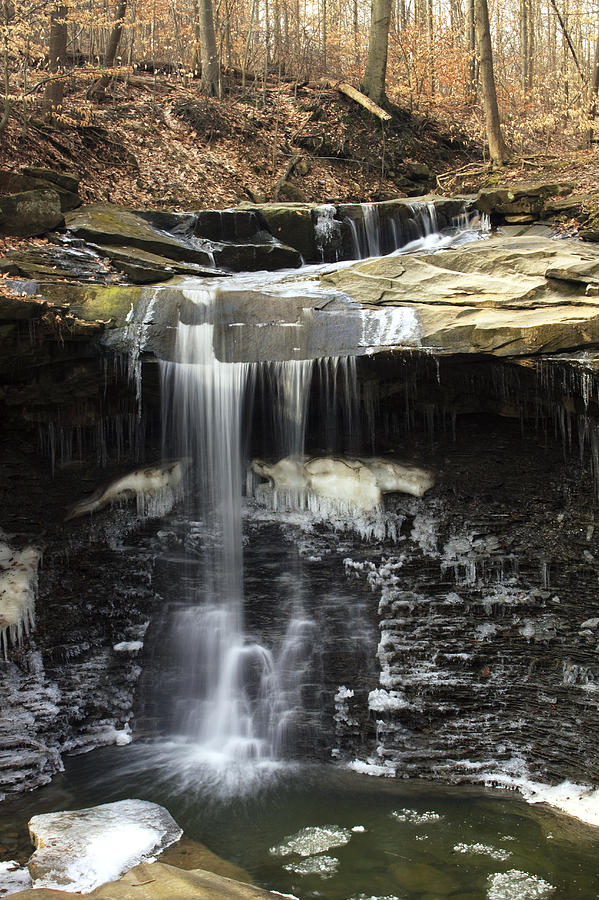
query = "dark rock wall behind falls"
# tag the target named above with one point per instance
(483, 611)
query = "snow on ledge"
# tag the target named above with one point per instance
(81, 849)
(18, 584)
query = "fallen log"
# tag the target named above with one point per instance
(358, 97)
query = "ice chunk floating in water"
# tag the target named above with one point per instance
(313, 839)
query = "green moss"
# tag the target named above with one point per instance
(95, 302)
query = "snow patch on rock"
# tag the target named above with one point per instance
(81, 849)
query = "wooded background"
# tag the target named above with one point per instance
(545, 54)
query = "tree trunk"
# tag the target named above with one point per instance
(524, 33)
(57, 53)
(497, 149)
(373, 83)
(98, 89)
(6, 68)
(594, 90)
(209, 53)
(473, 69)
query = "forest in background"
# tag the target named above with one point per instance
(61, 57)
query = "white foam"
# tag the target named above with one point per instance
(325, 866)
(371, 767)
(517, 885)
(578, 800)
(311, 840)
(18, 584)
(374, 897)
(386, 701)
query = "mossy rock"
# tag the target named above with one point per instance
(291, 193)
(93, 302)
(108, 224)
(590, 228)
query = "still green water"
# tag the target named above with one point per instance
(326, 832)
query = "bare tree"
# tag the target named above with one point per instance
(57, 54)
(373, 83)
(99, 88)
(208, 50)
(497, 148)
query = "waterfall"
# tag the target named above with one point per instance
(239, 698)
(372, 229)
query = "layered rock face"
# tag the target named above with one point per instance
(487, 608)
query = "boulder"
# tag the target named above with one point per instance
(142, 267)
(570, 207)
(55, 261)
(418, 171)
(30, 213)
(110, 225)
(519, 199)
(228, 224)
(13, 183)
(290, 223)
(62, 179)
(81, 849)
(589, 230)
(158, 881)
(505, 297)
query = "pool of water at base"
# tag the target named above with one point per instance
(323, 831)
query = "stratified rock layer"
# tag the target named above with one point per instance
(505, 296)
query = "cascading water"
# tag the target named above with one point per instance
(240, 697)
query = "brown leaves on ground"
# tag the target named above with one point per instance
(160, 144)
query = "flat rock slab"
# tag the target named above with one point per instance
(105, 224)
(79, 850)
(506, 297)
(157, 881)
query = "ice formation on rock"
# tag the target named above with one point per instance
(357, 482)
(80, 849)
(156, 489)
(13, 878)
(18, 583)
